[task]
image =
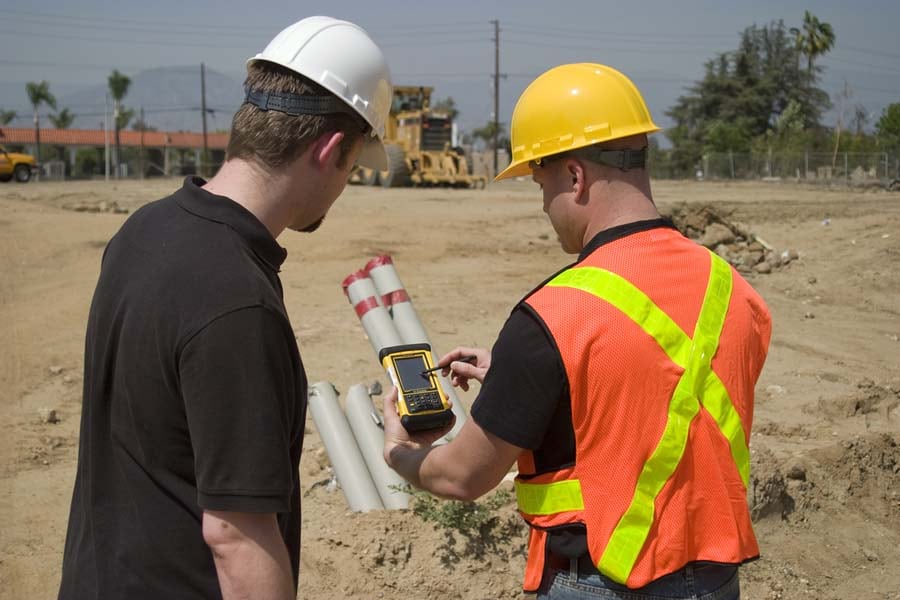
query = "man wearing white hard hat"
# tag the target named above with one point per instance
(194, 390)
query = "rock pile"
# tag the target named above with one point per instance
(732, 241)
(99, 207)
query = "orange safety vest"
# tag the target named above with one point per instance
(662, 344)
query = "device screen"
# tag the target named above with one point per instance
(409, 370)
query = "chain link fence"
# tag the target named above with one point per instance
(853, 168)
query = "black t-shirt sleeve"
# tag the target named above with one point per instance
(237, 379)
(520, 398)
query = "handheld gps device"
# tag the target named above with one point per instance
(421, 402)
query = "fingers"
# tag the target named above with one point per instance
(391, 418)
(457, 353)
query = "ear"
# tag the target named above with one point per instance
(327, 149)
(577, 176)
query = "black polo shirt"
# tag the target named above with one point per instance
(194, 398)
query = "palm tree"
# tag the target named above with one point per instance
(39, 93)
(817, 39)
(118, 88)
(63, 119)
(6, 116)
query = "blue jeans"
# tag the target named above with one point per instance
(696, 581)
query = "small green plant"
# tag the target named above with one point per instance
(471, 519)
(472, 528)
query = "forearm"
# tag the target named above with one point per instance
(429, 469)
(466, 468)
(251, 562)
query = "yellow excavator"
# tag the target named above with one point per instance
(417, 139)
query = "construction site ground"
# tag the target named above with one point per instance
(825, 486)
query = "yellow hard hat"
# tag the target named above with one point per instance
(573, 106)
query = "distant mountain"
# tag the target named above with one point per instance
(170, 97)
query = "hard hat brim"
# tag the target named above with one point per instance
(373, 155)
(520, 169)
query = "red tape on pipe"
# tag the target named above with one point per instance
(352, 277)
(395, 297)
(378, 261)
(364, 306)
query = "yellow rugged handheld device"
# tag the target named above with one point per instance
(421, 402)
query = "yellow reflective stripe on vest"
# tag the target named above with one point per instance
(697, 384)
(549, 498)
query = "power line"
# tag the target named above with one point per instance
(872, 52)
(106, 40)
(567, 31)
(867, 66)
(155, 25)
(194, 31)
(596, 48)
(190, 44)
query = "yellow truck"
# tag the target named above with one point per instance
(417, 142)
(16, 165)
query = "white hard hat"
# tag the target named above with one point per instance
(342, 58)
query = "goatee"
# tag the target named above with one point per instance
(311, 227)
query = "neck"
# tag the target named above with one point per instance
(619, 202)
(267, 195)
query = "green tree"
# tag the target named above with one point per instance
(816, 39)
(887, 129)
(63, 119)
(7, 116)
(88, 162)
(447, 105)
(38, 94)
(118, 89)
(124, 118)
(486, 133)
(142, 125)
(743, 94)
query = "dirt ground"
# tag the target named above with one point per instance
(826, 462)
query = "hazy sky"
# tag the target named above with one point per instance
(660, 45)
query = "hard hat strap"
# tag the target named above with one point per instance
(295, 104)
(619, 159)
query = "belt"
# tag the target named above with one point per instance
(714, 574)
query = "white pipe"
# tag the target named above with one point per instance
(375, 319)
(395, 298)
(346, 459)
(366, 425)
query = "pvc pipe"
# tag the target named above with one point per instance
(366, 425)
(349, 466)
(394, 297)
(375, 319)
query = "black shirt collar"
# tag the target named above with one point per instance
(194, 199)
(619, 231)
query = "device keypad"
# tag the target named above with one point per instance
(423, 401)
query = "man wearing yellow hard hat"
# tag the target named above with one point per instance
(622, 385)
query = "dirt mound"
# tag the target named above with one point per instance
(469, 551)
(880, 401)
(730, 240)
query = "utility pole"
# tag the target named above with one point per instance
(205, 159)
(106, 139)
(496, 23)
(143, 128)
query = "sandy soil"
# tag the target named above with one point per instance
(826, 461)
